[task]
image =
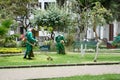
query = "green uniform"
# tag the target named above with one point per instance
(60, 44)
(116, 41)
(30, 40)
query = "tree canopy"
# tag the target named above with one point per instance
(15, 7)
(12, 9)
(54, 17)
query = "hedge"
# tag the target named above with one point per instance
(10, 50)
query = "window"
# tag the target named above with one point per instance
(111, 31)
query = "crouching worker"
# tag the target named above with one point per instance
(30, 40)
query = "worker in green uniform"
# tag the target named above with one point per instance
(60, 44)
(116, 41)
(30, 40)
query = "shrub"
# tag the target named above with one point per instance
(2, 42)
(69, 39)
(10, 44)
(10, 50)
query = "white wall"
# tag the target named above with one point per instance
(46, 0)
(102, 32)
(106, 31)
(118, 30)
(115, 28)
(43, 3)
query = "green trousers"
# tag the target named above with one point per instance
(60, 48)
(28, 49)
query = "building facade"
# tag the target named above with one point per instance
(44, 3)
(108, 31)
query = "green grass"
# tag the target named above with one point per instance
(88, 77)
(41, 59)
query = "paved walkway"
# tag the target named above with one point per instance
(63, 71)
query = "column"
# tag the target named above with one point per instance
(101, 32)
(115, 28)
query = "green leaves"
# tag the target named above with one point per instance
(54, 16)
(2, 31)
(99, 13)
(6, 23)
(13, 8)
(4, 27)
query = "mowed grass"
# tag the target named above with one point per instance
(88, 77)
(69, 58)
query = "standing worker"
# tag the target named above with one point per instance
(60, 44)
(30, 40)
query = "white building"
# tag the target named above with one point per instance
(108, 31)
(43, 3)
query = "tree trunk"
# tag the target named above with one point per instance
(60, 2)
(97, 48)
(96, 37)
(94, 28)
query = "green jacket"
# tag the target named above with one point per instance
(30, 37)
(59, 38)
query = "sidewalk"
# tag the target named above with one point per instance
(51, 72)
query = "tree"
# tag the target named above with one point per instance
(92, 14)
(86, 5)
(54, 17)
(113, 6)
(97, 16)
(16, 8)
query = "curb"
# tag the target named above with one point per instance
(60, 65)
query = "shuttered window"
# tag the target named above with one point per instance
(111, 31)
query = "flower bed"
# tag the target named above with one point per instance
(10, 50)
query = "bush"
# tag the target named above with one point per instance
(2, 42)
(53, 47)
(69, 39)
(10, 44)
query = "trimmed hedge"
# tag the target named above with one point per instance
(10, 50)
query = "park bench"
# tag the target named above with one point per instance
(45, 47)
(84, 45)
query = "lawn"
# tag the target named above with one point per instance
(88, 77)
(70, 58)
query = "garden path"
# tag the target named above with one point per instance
(63, 71)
